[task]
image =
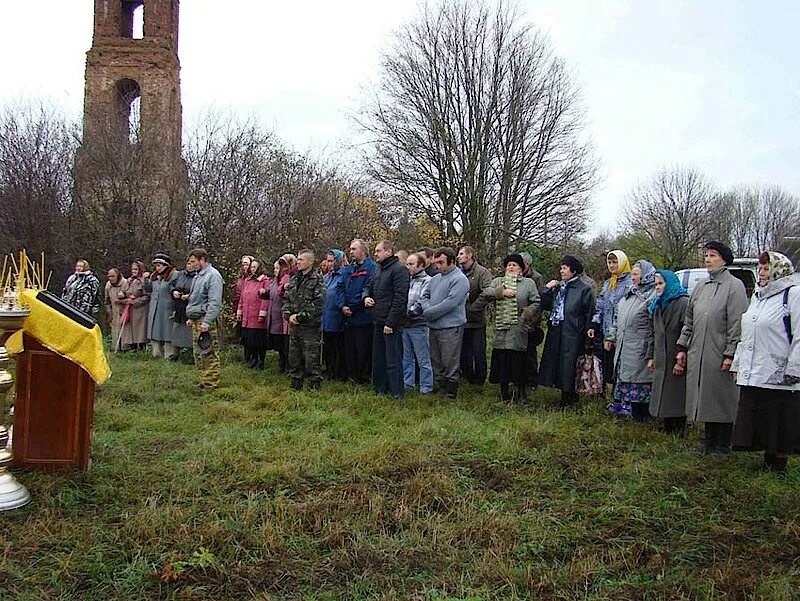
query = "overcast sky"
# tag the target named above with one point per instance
(713, 84)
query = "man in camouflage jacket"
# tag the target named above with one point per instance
(303, 304)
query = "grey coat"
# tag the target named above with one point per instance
(515, 339)
(159, 320)
(669, 391)
(632, 334)
(711, 331)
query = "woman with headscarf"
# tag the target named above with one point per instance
(252, 314)
(114, 295)
(244, 273)
(571, 304)
(614, 289)
(159, 319)
(516, 300)
(332, 317)
(711, 331)
(632, 335)
(668, 308)
(277, 326)
(767, 364)
(134, 332)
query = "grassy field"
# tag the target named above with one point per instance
(254, 491)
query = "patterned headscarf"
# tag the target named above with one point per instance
(779, 265)
(648, 273)
(672, 290)
(624, 267)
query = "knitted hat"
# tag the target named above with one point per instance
(724, 252)
(573, 263)
(162, 258)
(514, 258)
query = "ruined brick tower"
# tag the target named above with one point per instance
(129, 168)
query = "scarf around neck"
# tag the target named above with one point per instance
(672, 290)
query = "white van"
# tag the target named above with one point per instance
(744, 269)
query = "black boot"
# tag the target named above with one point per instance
(297, 384)
(505, 392)
(724, 435)
(568, 399)
(451, 390)
(522, 394)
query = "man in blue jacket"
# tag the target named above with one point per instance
(444, 307)
(332, 317)
(358, 318)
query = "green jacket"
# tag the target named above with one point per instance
(514, 338)
(305, 296)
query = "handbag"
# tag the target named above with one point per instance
(588, 375)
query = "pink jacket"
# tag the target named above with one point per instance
(252, 308)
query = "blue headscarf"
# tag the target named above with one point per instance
(338, 255)
(672, 290)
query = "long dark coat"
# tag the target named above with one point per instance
(565, 342)
(669, 391)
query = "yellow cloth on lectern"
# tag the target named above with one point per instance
(63, 336)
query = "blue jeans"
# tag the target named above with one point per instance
(387, 361)
(417, 349)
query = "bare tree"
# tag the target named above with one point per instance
(676, 210)
(37, 147)
(477, 126)
(249, 193)
(760, 217)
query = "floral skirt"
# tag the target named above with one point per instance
(632, 392)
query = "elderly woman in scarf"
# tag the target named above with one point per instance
(668, 399)
(767, 363)
(614, 289)
(571, 303)
(332, 317)
(632, 335)
(516, 300)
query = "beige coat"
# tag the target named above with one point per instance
(711, 330)
(114, 301)
(135, 332)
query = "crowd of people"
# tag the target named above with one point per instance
(407, 320)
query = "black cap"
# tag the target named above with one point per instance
(725, 252)
(573, 263)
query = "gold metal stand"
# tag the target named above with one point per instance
(12, 493)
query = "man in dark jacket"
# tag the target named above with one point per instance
(387, 295)
(303, 303)
(473, 349)
(358, 318)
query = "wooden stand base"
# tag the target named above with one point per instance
(52, 411)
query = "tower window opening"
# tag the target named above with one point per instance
(132, 19)
(129, 110)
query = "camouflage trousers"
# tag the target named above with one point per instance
(207, 364)
(304, 354)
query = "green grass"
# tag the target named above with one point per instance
(254, 491)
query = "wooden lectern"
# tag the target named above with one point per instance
(52, 411)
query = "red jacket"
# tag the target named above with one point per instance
(252, 308)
